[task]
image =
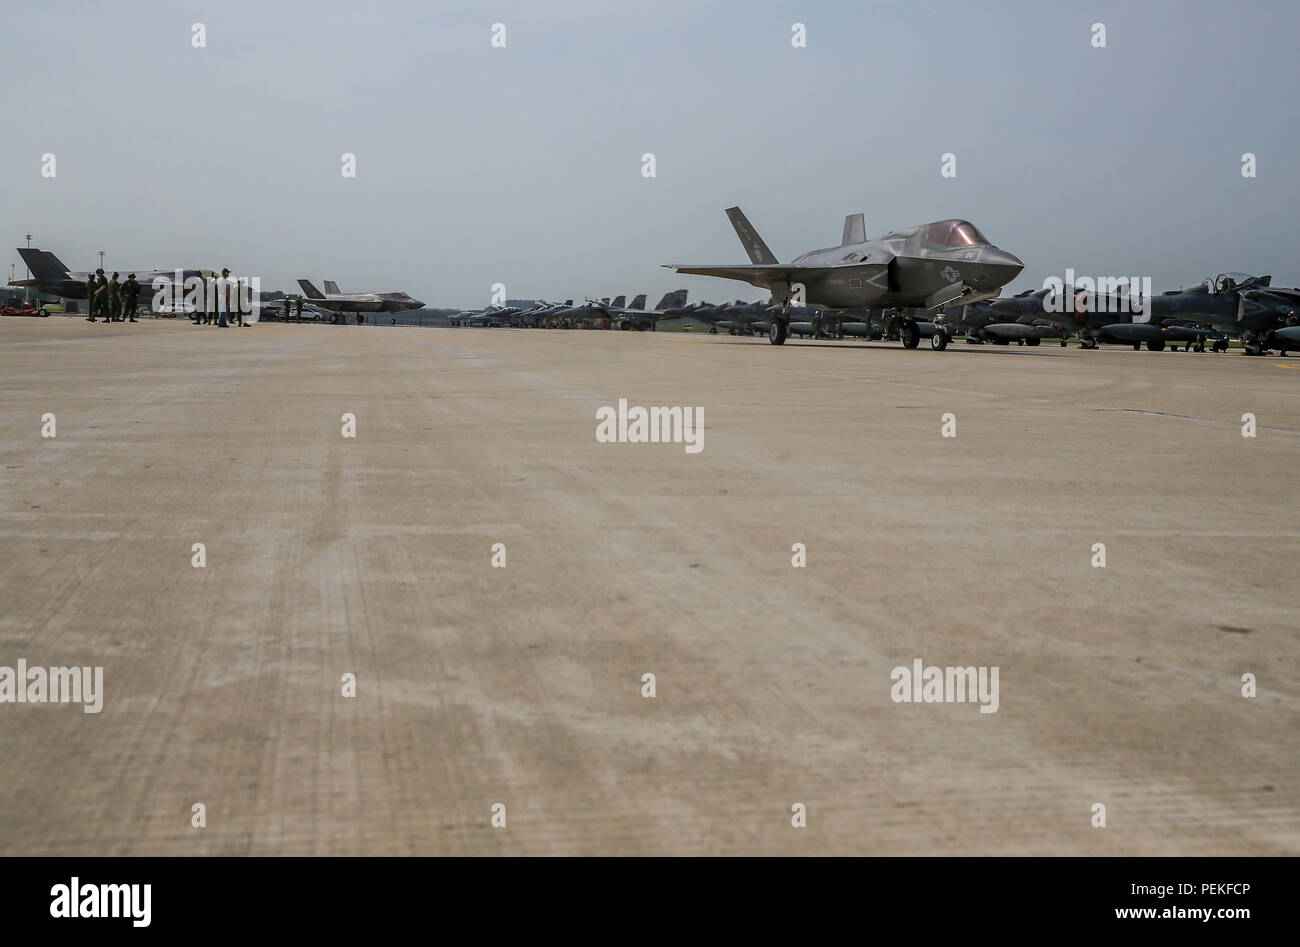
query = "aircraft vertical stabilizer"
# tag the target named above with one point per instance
(749, 238)
(855, 229)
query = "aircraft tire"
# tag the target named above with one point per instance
(1137, 346)
(1032, 340)
(1157, 346)
(1253, 348)
(910, 334)
(776, 331)
(1063, 343)
(939, 341)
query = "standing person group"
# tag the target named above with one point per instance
(113, 300)
(222, 303)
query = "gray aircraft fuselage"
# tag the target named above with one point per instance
(917, 267)
(913, 269)
(359, 302)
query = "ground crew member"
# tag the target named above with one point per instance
(101, 294)
(90, 298)
(234, 300)
(300, 309)
(115, 299)
(131, 297)
(198, 295)
(223, 304)
(211, 287)
(203, 304)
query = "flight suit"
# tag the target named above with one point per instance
(90, 299)
(211, 286)
(131, 298)
(115, 300)
(101, 296)
(236, 297)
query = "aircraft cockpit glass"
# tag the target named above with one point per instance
(965, 234)
(953, 233)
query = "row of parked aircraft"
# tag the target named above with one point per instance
(1234, 305)
(614, 313)
(941, 280)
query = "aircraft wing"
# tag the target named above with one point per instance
(756, 274)
(1275, 294)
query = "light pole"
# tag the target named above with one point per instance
(101, 259)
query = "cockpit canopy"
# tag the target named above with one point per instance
(953, 233)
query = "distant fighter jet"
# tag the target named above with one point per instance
(335, 301)
(948, 262)
(637, 316)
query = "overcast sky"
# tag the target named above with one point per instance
(523, 165)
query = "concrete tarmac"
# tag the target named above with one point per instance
(372, 556)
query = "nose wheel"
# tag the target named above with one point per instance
(939, 341)
(910, 334)
(776, 331)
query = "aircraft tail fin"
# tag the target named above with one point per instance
(63, 267)
(672, 300)
(855, 229)
(749, 238)
(41, 265)
(619, 302)
(638, 302)
(310, 291)
(569, 303)
(332, 288)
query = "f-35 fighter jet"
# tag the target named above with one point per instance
(947, 262)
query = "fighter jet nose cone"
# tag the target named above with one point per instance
(1008, 261)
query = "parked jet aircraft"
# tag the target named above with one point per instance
(358, 302)
(636, 316)
(937, 264)
(1265, 316)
